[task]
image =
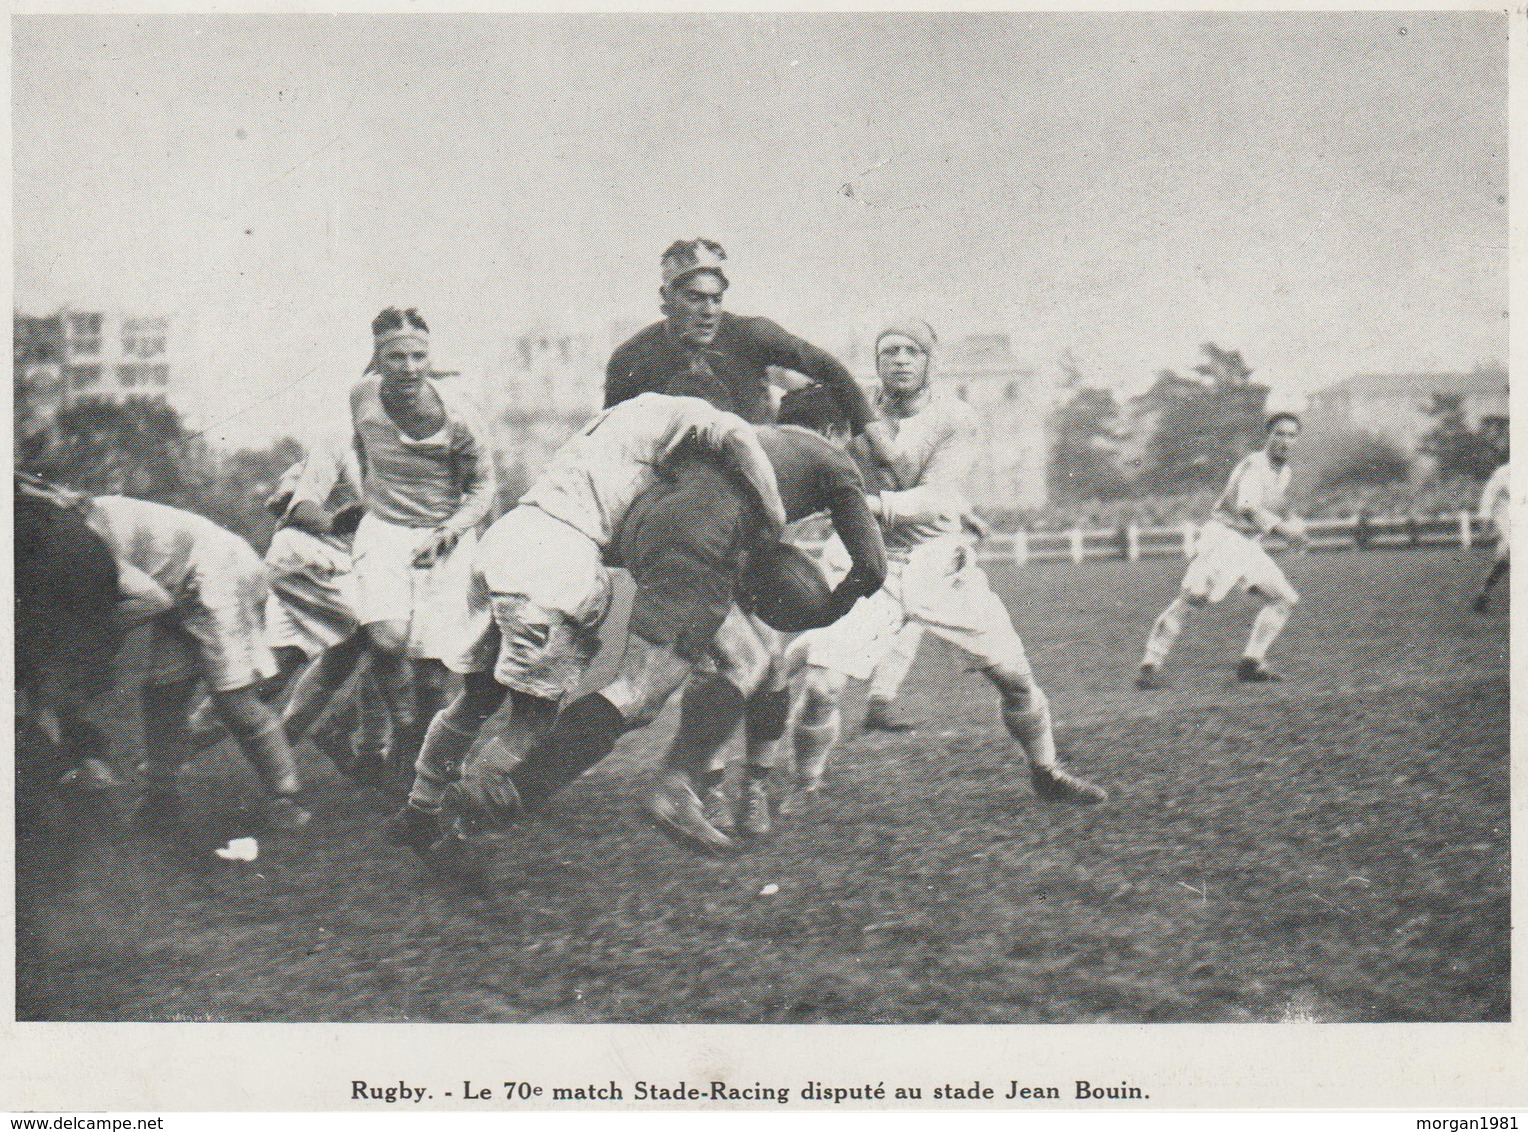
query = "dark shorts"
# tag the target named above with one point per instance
(683, 541)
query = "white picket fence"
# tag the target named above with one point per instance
(1082, 544)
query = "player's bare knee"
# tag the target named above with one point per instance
(821, 691)
(390, 637)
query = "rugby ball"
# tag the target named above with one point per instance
(783, 586)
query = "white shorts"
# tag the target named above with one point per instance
(312, 601)
(1225, 559)
(533, 608)
(389, 587)
(940, 587)
(218, 623)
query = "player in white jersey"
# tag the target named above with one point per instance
(427, 483)
(211, 587)
(529, 624)
(932, 576)
(1229, 555)
(1496, 506)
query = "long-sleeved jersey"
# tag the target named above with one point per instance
(732, 372)
(815, 477)
(923, 492)
(1254, 496)
(1497, 494)
(594, 477)
(445, 480)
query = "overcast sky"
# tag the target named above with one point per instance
(1325, 193)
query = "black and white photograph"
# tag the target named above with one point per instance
(763, 523)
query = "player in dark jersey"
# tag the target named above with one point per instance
(700, 350)
(683, 539)
(747, 685)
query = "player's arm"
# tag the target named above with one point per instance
(324, 464)
(140, 598)
(779, 347)
(472, 466)
(844, 493)
(940, 493)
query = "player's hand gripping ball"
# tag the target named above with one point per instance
(784, 588)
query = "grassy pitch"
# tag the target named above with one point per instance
(1332, 848)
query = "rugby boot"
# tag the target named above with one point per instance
(753, 816)
(1052, 784)
(1250, 671)
(885, 715)
(676, 810)
(283, 813)
(412, 828)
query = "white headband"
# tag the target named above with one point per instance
(398, 332)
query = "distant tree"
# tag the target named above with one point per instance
(141, 447)
(1361, 459)
(1456, 448)
(1081, 465)
(1203, 427)
(138, 446)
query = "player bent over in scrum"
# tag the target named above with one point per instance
(933, 577)
(211, 587)
(814, 473)
(1229, 554)
(540, 592)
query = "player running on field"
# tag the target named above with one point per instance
(212, 587)
(427, 483)
(812, 433)
(1229, 554)
(1496, 506)
(933, 577)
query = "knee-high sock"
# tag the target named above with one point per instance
(764, 723)
(814, 742)
(710, 710)
(1031, 726)
(269, 753)
(316, 686)
(585, 732)
(1166, 631)
(1270, 620)
(395, 679)
(440, 761)
(886, 680)
(165, 737)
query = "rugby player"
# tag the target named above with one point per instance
(212, 587)
(682, 533)
(1229, 554)
(812, 433)
(701, 350)
(933, 577)
(310, 620)
(427, 483)
(1496, 506)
